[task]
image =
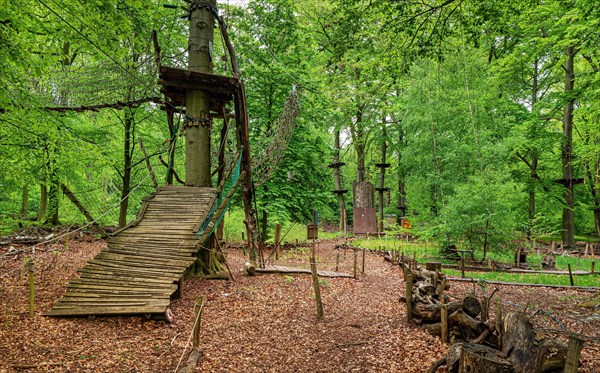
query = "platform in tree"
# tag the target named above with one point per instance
(141, 268)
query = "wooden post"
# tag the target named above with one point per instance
(571, 276)
(573, 354)
(197, 321)
(485, 309)
(363, 260)
(31, 288)
(444, 320)
(277, 240)
(462, 265)
(263, 226)
(315, 280)
(355, 261)
(337, 261)
(316, 286)
(499, 324)
(409, 291)
(442, 289)
(66, 242)
(593, 265)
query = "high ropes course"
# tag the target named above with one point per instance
(143, 266)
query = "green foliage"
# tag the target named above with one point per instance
(480, 215)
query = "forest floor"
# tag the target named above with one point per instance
(263, 323)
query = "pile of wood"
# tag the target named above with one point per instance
(506, 343)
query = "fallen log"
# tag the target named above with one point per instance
(470, 328)
(432, 312)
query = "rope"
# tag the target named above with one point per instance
(190, 337)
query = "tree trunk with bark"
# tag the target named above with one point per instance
(43, 202)
(128, 125)
(568, 216)
(338, 179)
(24, 201)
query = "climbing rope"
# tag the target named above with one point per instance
(266, 162)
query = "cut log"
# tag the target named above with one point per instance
(426, 288)
(432, 312)
(471, 306)
(434, 329)
(470, 327)
(527, 351)
(453, 357)
(249, 268)
(482, 359)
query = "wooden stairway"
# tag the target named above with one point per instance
(144, 262)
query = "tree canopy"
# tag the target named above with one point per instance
(490, 109)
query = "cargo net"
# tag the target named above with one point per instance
(266, 162)
(99, 85)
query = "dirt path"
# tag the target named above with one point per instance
(258, 324)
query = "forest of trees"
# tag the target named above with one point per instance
(490, 110)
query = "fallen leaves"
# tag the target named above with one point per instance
(258, 324)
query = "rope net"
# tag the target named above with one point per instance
(99, 85)
(266, 162)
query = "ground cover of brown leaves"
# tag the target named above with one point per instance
(262, 323)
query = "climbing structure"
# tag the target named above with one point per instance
(142, 267)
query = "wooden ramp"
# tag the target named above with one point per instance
(139, 271)
(293, 270)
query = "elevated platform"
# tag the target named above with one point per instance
(140, 270)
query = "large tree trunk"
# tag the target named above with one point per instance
(534, 155)
(594, 180)
(43, 202)
(382, 177)
(568, 216)
(172, 141)
(128, 123)
(197, 125)
(337, 175)
(51, 214)
(24, 201)
(53, 201)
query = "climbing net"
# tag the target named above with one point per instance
(266, 162)
(99, 85)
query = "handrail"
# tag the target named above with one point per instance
(220, 200)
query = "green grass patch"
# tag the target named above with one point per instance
(290, 232)
(524, 278)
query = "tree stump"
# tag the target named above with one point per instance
(527, 351)
(475, 358)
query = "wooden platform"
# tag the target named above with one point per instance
(293, 270)
(139, 271)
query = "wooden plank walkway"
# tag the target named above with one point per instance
(139, 271)
(293, 270)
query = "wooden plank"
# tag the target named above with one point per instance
(154, 253)
(86, 293)
(102, 311)
(120, 283)
(133, 272)
(155, 268)
(181, 254)
(131, 289)
(108, 271)
(143, 259)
